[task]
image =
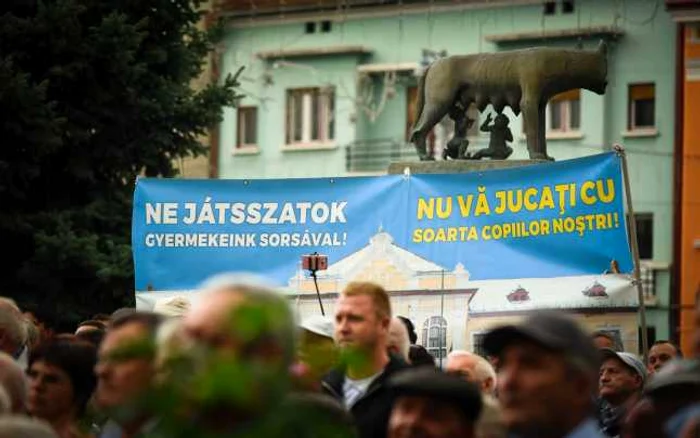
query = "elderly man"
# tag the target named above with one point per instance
(247, 332)
(473, 368)
(432, 404)
(125, 369)
(622, 377)
(547, 373)
(362, 320)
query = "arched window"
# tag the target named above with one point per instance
(435, 336)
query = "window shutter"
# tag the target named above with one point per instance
(642, 91)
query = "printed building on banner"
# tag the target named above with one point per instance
(451, 312)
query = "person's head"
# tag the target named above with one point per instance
(90, 325)
(316, 350)
(61, 379)
(603, 339)
(91, 331)
(125, 365)
(418, 356)
(431, 404)
(103, 318)
(398, 343)
(230, 301)
(12, 379)
(501, 120)
(410, 328)
(246, 327)
(660, 353)
(547, 367)
(622, 375)
(362, 317)
(19, 426)
(13, 330)
(473, 368)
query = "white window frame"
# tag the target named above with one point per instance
(442, 327)
(615, 329)
(322, 119)
(240, 127)
(633, 110)
(565, 117)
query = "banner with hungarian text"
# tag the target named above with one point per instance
(560, 219)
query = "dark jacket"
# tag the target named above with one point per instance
(371, 411)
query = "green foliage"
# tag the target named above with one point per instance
(93, 93)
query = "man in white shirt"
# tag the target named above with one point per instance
(362, 319)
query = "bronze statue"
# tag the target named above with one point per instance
(524, 79)
(500, 134)
(456, 148)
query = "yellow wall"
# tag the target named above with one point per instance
(690, 196)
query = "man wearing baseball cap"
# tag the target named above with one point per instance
(316, 354)
(622, 377)
(548, 368)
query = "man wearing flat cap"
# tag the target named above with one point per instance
(548, 369)
(622, 377)
(428, 403)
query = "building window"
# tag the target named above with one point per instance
(326, 26)
(567, 6)
(478, 344)
(647, 275)
(435, 336)
(641, 106)
(550, 8)
(645, 235)
(616, 334)
(564, 112)
(310, 27)
(247, 127)
(310, 115)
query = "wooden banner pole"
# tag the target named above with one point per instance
(620, 150)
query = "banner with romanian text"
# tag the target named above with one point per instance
(560, 219)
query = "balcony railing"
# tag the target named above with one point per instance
(375, 155)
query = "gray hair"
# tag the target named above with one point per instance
(13, 380)
(16, 426)
(398, 337)
(260, 291)
(482, 369)
(12, 322)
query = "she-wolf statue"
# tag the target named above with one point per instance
(523, 79)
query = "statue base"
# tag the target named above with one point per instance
(457, 166)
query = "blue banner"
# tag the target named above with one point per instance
(542, 221)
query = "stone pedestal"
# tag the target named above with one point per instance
(457, 166)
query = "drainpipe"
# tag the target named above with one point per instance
(674, 316)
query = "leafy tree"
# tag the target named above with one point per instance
(93, 93)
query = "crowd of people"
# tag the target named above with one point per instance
(236, 362)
